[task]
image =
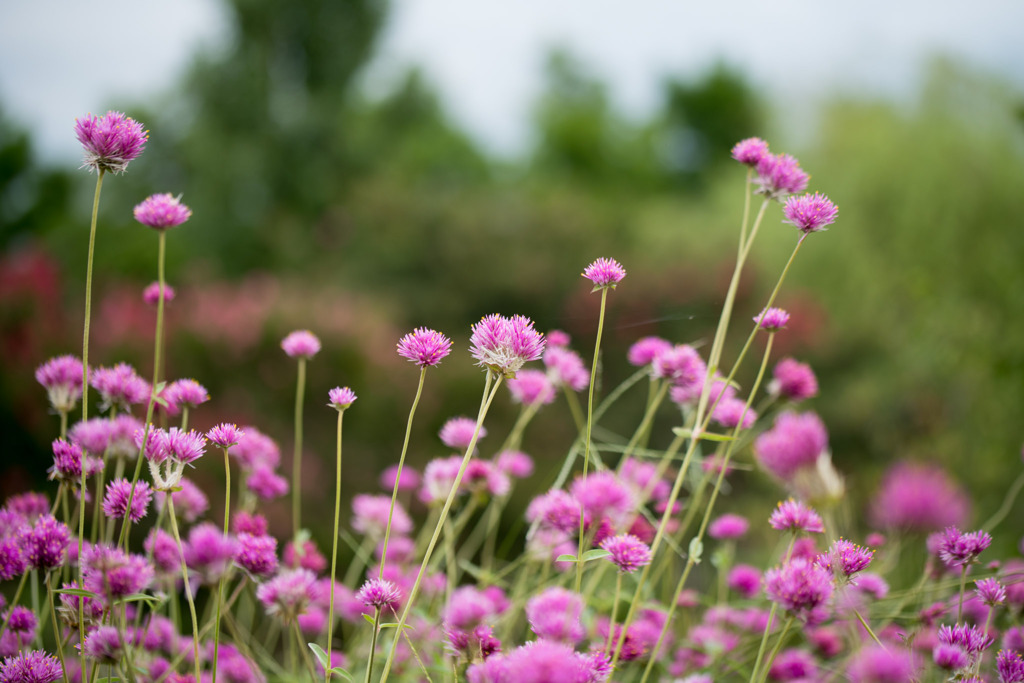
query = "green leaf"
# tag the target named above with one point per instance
(320, 654)
(704, 436)
(565, 558)
(595, 554)
(369, 619)
(696, 549)
(141, 597)
(76, 591)
(342, 673)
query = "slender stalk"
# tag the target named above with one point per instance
(775, 650)
(300, 390)
(373, 644)
(304, 651)
(334, 549)
(56, 629)
(489, 396)
(223, 577)
(161, 259)
(654, 401)
(1004, 509)
(188, 586)
(615, 606)
(963, 585)
(590, 425)
(88, 299)
(398, 475)
(14, 601)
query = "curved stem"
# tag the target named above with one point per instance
(590, 425)
(488, 397)
(300, 390)
(398, 475)
(775, 650)
(188, 586)
(88, 297)
(1004, 509)
(223, 578)
(334, 547)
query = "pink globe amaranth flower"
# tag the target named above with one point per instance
(162, 211)
(306, 556)
(514, 463)
(185, 392)
(750, 151)
(990, 591)
(62, 379)
(745, 580)
(256, 448)
(793, 381)
(566, 368)
(845, 558)
(370, 516)
(340, 398)
(772, 319)
(115, 503)
(29, 506)
(110, 141)
(531, 387)
(69, 460)
(800, 587)
(34, 666)
(103, 644)
(604, 273)
(151, 294)
(1010, 666)
(186, 447)
(458, 432)
(603, 495)
(424, 347)
(780, 175)
(379, 594)
(301, 344)
(93, 436)
(225, 435)
(266, 483)
(504, 345)
(793, 665)
(645, 350)
(408, 481)
(959, 549)
(164, 550)
(971, 638)
(21, 620)
(189, 502)
(438, 479)
(470, 607)
(557, 338)
(112, 573)
(728, 526)
(554, 614)
(810, 212)
(119, 386)
(918, 498)
(541, 661)
(793, 515)
(556, 509)
(45, 545)
(209, 553)
(243, 522)
(794, 442)
(288, 594)
(681, 365)
(729, 412)
(628, 552)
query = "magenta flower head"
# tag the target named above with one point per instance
(162, 211)
(793, 380)
(565, 367)
(257, 554)
(380, 594)
(605, 273)
(186, 447)
(225, 435)
(151, 294)
(340, 398)
(504, 345)
(288, 594)
(301, 344)
(918, 498)
(745, 580)
(628, 552)
(800, 587)
(30, 666)
(185, 392)
(68, 462)
(646, 349)
(810, 212)
(794, 442)
(990, 592)
(119, 386)
(554, 614)
(845, 558)
(458, 432)
(45, 545)
(1010, 666)
(878, 664)
(115, 503)
(424, 347)
(531, 387)
(772, 319)
(103, 644)
(792, 515)
(779, 176)
(728, 526)
(62, 379)
(958, 549)
(750, 151)
(110, 141)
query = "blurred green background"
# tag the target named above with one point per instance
(359, 217)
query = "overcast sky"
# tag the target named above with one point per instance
(60, 59)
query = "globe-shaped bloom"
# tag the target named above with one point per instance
(162, 211)
(424, 347)
(110, 141)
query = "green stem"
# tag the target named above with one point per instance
(615, 605)
(775, 650)
(56, 628)
(963, 585)
(398, 475)
(653, 403)
(590, 424)
(334, 548)
(300, 390)
(373, 644)
(88, 300)
(184, 576)
(489, 396)
(223, 578)
(1004, 509)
